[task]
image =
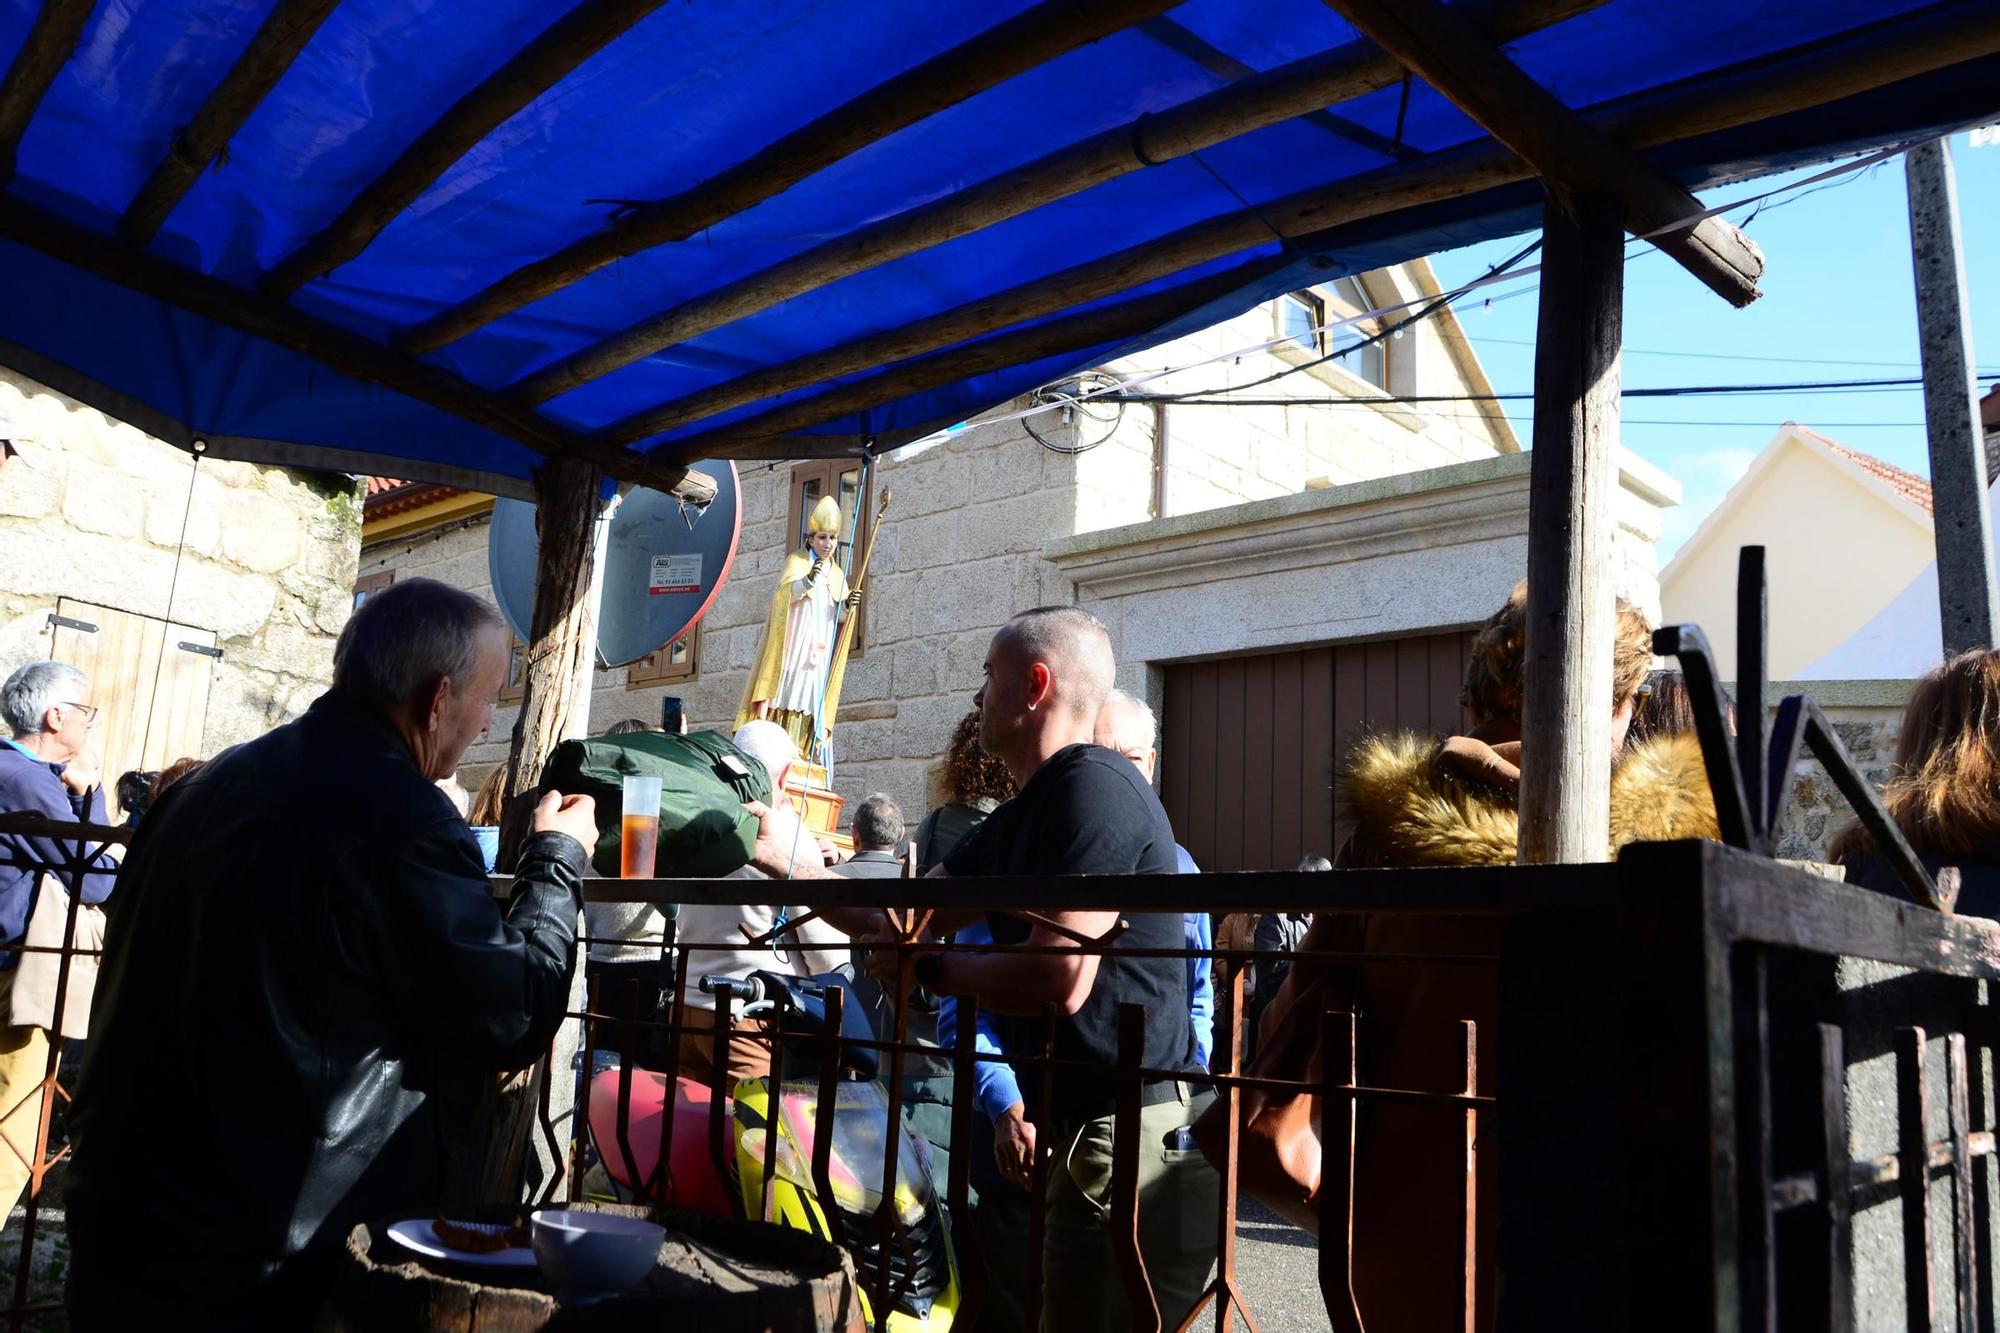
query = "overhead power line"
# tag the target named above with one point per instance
(1225, 398)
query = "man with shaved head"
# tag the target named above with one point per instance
(1081, 809)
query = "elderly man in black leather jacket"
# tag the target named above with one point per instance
(305, 984)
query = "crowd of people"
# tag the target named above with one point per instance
(307, 979)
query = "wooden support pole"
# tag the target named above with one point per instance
(277, 43)
(564, 644)
(1566, 668)
(1562, 147)
(1951, 403)
(985, 61)
(337, 348)
(1779, 84)
(57, 28)
(1272, 97)
(562, 46)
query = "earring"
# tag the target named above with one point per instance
(1031, 708)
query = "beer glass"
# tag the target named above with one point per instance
(639, 833)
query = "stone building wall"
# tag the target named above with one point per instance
(93, 509)
(1867, 715)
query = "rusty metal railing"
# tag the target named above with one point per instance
(83, 842)
(1342, 1091)
(882, 1258)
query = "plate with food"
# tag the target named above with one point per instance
(486, 1244)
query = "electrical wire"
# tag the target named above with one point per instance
(1829, 387)
(1851, 171)
(200, 448)
(1734, 356)
(1078, 403)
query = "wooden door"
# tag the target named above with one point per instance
(1252, 747)
(148, 678)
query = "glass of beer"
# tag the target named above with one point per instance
(639, 840)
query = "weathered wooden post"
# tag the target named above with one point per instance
(1566, 708)
(564, 645)
(1951, 403)
(555, 705)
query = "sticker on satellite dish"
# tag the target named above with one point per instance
(675, 573)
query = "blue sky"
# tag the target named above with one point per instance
(1838, 304)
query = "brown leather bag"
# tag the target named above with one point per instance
(1278, 1144)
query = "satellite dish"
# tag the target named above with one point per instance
(663, 564)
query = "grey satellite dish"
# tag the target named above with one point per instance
(663, 565)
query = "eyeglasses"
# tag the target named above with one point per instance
(89, 711)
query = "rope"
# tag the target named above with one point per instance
(173, 587)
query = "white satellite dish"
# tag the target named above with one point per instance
(664, 562)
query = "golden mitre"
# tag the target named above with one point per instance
(825, 516)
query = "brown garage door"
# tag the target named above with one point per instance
(1251, 745)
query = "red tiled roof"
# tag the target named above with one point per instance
(1906, 484)
(386, 497)
(1989, 409)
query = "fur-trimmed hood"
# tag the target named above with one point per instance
(1412, 809)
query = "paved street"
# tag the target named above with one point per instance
(1277, 1269)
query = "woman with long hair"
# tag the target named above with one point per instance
(970, 787)
(1944, 789)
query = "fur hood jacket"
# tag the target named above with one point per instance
(1413, 809)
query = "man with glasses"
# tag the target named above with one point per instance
(48, 769)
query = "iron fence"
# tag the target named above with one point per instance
(1713, 1114)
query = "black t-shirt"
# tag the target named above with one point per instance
(1087, 812)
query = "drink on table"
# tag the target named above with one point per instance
(639, 841)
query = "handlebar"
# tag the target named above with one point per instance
(750, 990)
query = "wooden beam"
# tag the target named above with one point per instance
(57, 28)
(1072, 333)
(1020, 44)
(1215, 60)
(1572, 535)
(562, 46)
(1270, 98)
(1951, 403)
(1775, 85)
(337, 348)
(1562, 147)
(277, 43)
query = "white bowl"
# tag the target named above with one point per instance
(594, 1254)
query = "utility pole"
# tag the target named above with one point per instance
(1951, 403)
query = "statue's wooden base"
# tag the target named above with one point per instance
(820, 805)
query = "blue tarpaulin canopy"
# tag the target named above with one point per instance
(441, 239)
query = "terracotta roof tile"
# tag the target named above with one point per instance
(1906, 484)
(388, 496)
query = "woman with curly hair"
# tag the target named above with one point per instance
(971, 787)
(1944, 790)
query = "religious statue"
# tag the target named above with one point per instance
(803, 655)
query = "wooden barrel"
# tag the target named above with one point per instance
(719, 1275)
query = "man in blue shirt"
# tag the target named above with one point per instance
(47, 768)
(1126, 724)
